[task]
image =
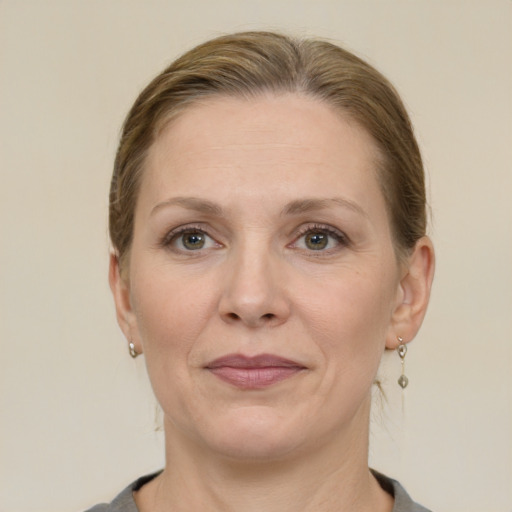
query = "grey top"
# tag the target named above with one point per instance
(124, 501)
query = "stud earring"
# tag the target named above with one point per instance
(131, 349)
(402, 351)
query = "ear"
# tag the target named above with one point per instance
(414, 293)
(124, 311)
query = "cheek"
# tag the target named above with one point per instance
(170, 313)
(349, 316)
(170, 316)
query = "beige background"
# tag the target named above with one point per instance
(77, 417)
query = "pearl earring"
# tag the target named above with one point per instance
(131, 349)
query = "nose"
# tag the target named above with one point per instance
(254, 290)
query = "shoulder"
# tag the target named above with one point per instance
(124, 501)
(403, 502)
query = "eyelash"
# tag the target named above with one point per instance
(174, 235)
(340, 237)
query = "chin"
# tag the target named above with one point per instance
(254, 433)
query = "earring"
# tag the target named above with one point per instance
(402, 350)
(131, 349)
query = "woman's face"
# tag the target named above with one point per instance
(263, 280)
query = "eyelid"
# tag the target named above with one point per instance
(167, 240)
(340, 236)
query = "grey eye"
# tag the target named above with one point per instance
(316, 241)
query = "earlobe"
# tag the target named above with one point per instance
(121, 293)
(414, 293)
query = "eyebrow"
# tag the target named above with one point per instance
(296, 207)
(191, 203)
(312, 204)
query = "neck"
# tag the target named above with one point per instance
(324, 478)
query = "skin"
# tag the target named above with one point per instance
(256, 179)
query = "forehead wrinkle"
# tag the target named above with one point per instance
(311, 204)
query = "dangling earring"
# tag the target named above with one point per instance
(131, 349)
(402, 350)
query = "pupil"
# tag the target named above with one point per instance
(316, 241)
(193, 240)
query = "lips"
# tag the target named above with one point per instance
(253, 372)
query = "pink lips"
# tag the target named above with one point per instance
(253, 372)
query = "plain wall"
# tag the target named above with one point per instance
(77, 417)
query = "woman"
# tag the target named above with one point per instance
(267, 214)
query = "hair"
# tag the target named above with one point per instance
(248, 64)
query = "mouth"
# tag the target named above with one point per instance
(256, 372)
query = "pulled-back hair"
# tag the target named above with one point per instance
(251, 63)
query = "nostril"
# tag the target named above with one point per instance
(235, 317)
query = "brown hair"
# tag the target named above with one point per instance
(249, 63)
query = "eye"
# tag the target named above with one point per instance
(316, 241)
(320, 238)
(192, 240)
(189, 239)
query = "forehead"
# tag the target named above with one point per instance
(293, 117)
(286, 142)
